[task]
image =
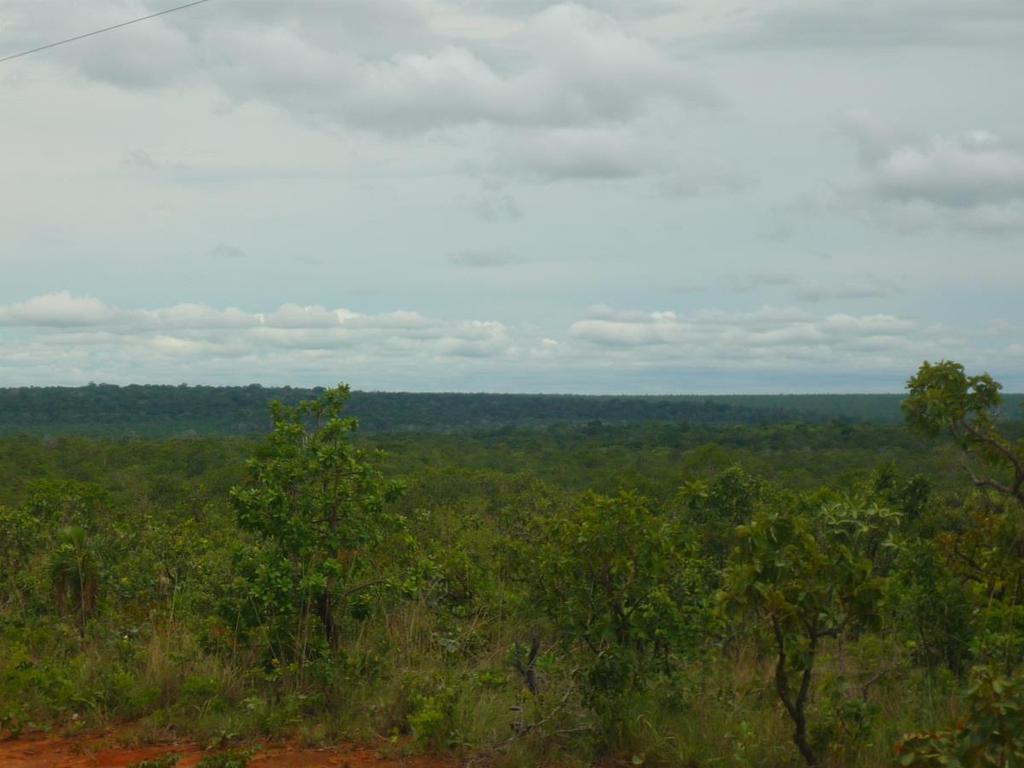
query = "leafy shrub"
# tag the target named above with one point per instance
(989, 735)
(621, 586)
(931, 607)
(432, 719)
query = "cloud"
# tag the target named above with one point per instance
(895, 23)
(396, 67)
(572, 66)
(864, 288)
(574, 153)
(496, 204)
(684, 184)
(482, 259)
(63, 338)
(141, 160)
(150, 54)
(58, 318)
(768, 338)
(973, 180)
(804, 289)
(56, 310)
(225, 251)
(745, 282)
(544, 91)
(64, 310)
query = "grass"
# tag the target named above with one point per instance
(406, 680)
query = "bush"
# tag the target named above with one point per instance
(989, 735)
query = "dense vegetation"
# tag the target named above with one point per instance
(102, 410)
(715, 592)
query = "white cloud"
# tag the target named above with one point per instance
(56, 310)
(961, 172)
(557, 87)
(60, 319)
(78, 339)
(774, 338)
(562, 64)
(974, 180)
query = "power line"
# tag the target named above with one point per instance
(101, 31)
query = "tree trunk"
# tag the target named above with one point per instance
(323, 605)
(797, 708)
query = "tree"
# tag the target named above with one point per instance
(317, 504)
(715, 508)
(622, 588)
(808, 576)
(984, 548)
(944, 398)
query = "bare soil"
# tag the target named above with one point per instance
(108, 750)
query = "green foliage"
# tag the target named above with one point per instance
(944, 398)
(930, 606)
(75, 575)
(161, 411)
(317, 505)
(233, 758)
(716, 507)
(66, 503)
(808, 575)
(989, 735)
(621, 586)
(21, 536)
(433, 719)
(537, 596)
(999, 638)
(909, 496)
(811, 574)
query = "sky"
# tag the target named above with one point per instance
(616, 196)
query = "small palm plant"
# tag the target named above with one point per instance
(75, 575)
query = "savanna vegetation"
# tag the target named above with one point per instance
(657, 591)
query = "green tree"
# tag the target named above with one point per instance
(943, 398)
(714, 508)
(985, 542)
(623, 589)
(808, 576)
(930, 606)
(317, 504)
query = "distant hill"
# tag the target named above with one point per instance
(163, 411)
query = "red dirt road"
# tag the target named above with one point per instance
(105, 752)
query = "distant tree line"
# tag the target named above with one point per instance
(166, 411)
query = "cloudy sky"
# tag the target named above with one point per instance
(513, 195)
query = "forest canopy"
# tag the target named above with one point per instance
(168, 411)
